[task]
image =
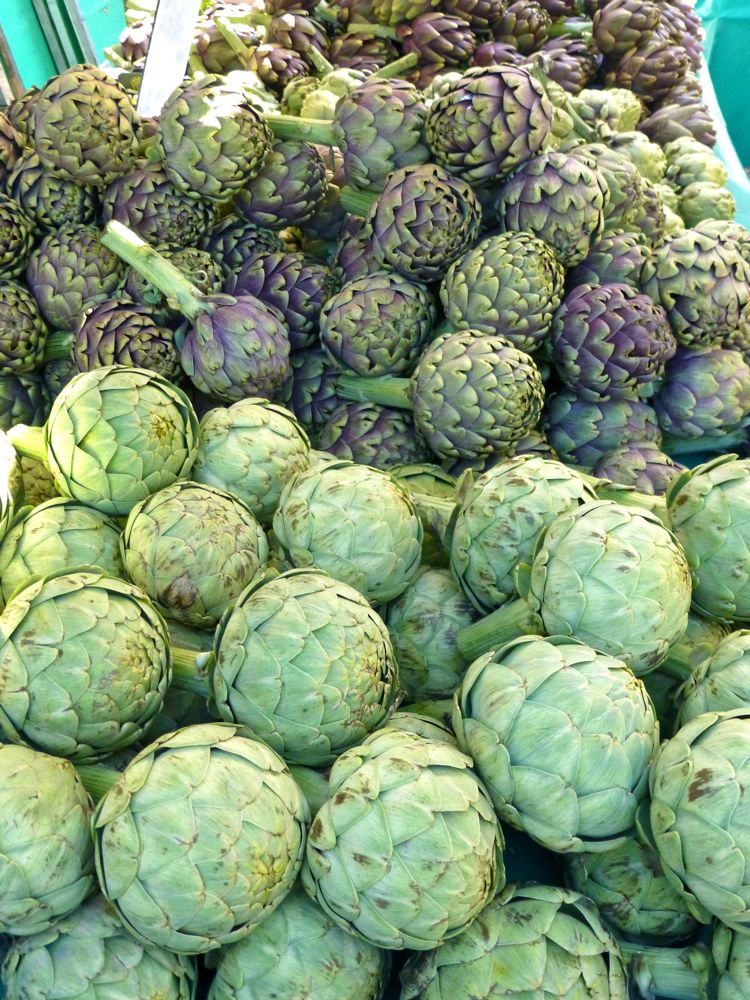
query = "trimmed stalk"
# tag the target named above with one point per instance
(97, 779)
(710, 445)
(357, 202)
(59, 345)
(188, 671)
(393, 69)
(507, 623)
(29, 442)
(313, 130)
(371, 30)
(677, 973)
(627, 496)
(561, 28)
(320, 64)
(385, 389)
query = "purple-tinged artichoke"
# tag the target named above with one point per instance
(640, 464)
(390, 11)
(84, 125)
(16, 237)
(423, 220)
(616, 257)
(496, 54)
(560, 8)
(216, 53)
(524, 24)
(134, 40)
(374, 435)
(572, 63)
(651, 70)
(703, 283)
(326, 224)
(649, 215)
(119, 332)
(353, 51)
(610, 342)
(235, 241)
(377, 325)
(69, 270)
(438, 39)
(621, 25)
(489, 122)
(212, 138)
(354, 256)
(558, 198)
(623, 182)
(481, 15)
(23, 400)
(147, 202)
(11, 147)
(510, 284)
(19, 113)
(310, 390)
(582, 431)
(276, 66)
(23, 333)
(705, 393)
(288, 189)
(293, 284)
(49, 199)
(299, 32)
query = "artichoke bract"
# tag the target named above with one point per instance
(47, 197)
(89, 688)
(54, 536)
(579, 788)
(120, 332)
(354, 522)
(193, 549)
(232, 838)
(531, 941)
(720, 682)
(632, 892)
(251, 449)
(699, 815)
(510, 284)
(89, 953)
(361, 856)
(608, 575)
(616, 257)
(46, 854)
(300, 950)
(115, 436)
(708, 511)
(499, 518)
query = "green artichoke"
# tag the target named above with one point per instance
(52, 537)
(706, 201)
(510, 284)
(354, 522)
(23, 400)
(690, 162)
(300, 951)
(578, 788)
(38, 485)
(90, 954)
(16, 238)
(531, 941)
(84, 662)
(632, 892)
(720, 682)
(46, 854)
(405, 851)
(193, 549)
(209, 812)
(304, 662)
(115, 436)
(251, 449)
(646, 155)
(423, 622)
(700, 811)
(23, 333)
(499, 518)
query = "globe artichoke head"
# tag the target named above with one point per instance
(23, 332)
(438, 39)
(380, 436)
(288, 189)
(310, 391)
(233, 241)
(615, 258)
(646, 155)
(360, 872)
(524, 25)
(640, 464)
(46, 854)
(701, 201)
(120, 332)
(718, 683)
(705, 393)
(620, 25)
(48, 198)
(236, 830)
(16, 238)
(651, 69)
(277, 66)
(116, 435)
(297, 640)
(591, 709)
(23, 400)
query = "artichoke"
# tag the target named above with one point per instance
(690, 162)
(615, 258)
(524, 24)
(353, 256)
(89, 953)
(651, 69)
(377, 325)
(310, 391)
(23, 400)
(623, 184)
(300, 950)
(49, 198)
(212, 138)
(23, 332)
(16, 238)
(579, 788)
(198, 266)
(304, 662)
(706, 201)
(115, 436)
(380, 436)
(84, 661)
(619, 25)
(705, 394)
(251, 449)
(531, 941)
(232, 838)
(719, 682)
(288, 189)
(646, 155)
(489, 122)
(499, 518)
(46, 854)
(193, 549)
(361, 853)
(119, 332)
(640, 464)
(558, 198)
(54, 536)
(609, 342)
(38, 485)
(277, 66)
(355, 522)
(233, 241)
(510, 284)
(423, 623)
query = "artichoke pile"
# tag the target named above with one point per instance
(369, 629)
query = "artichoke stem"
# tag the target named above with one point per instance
(563, 28)
(187, 672)
(628, 497)
(320, 64)
(677, 973)
(386, 390)
(397, 67)
(59, 345)
(357, 202)
(28, 441)
(158, 271)
(97, 779)
(309, 129)
(373, 30)
(692, 446)
(509, 622)
(230, 36)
